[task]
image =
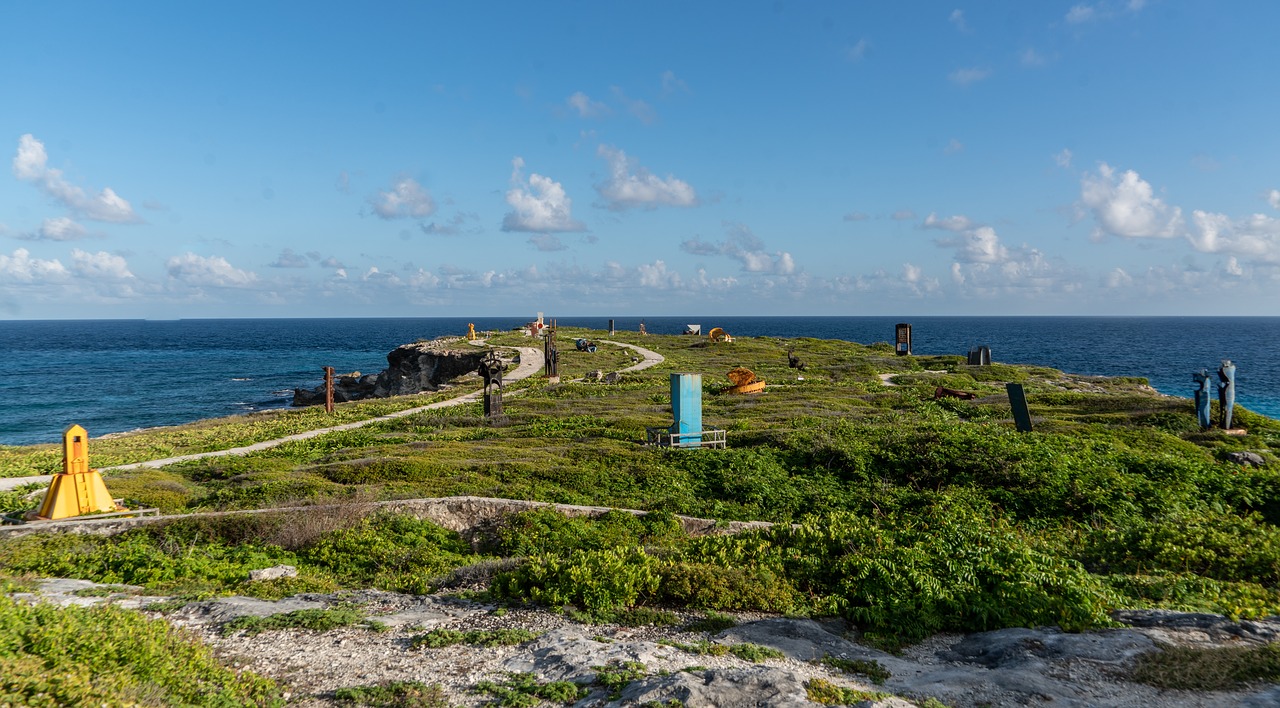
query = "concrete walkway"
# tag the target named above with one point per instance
(531, 362)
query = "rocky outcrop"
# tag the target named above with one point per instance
(1006, 667)
(412, 368)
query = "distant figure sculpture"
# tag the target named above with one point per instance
(1201, 378)
(1227, 391)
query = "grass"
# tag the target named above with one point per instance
(872, 669)
(1208, 669)
(64, 656)
(912, 515)
(394, 694)
(523, 689)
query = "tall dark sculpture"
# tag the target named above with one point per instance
(1227, 391)
(491, 368)
(1201, 378)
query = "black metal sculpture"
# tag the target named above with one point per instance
(491, 368)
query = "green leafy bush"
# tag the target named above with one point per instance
(68, 656)
(714, 587)
(391, 552)
(592, 580)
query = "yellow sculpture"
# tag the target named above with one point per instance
(744, 381)
(78, 490)
(471, 332)
(719, 335)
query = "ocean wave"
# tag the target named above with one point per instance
(246, 379)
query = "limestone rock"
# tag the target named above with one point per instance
(722, 688)
(412, 368)
(1247, 459)
(800, 639)
(273, 573)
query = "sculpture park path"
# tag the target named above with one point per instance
(531, 361)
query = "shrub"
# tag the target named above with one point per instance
(63, 656)
(713, 587)
(391, 552)
(592, 580)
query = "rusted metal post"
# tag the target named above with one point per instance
(328, 389)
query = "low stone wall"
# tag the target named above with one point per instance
(461, 514)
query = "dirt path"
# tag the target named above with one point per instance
(530, 363)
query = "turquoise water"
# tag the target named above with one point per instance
(116, 375)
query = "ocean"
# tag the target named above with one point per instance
(119, 375)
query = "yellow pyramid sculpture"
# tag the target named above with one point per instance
(78, 490)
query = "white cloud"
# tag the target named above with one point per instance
(636, 107)
(456, 224)
(745, 247)
(631, 185)
(656, 275)
(857, 51)
(856, 216)
(1273, 198)
(1118, 278)
(903, 215)
(31, 164)
(1080, 13)
(58, 228)
(957, 18)
(289, 259)
(1256, 236)
(956, 223)
(547, 242)
(1233, 268)
(100, 265)
(21, 267)
(539, 204)
(215, 271)
(585, 107)
(1063, 159)
(1126, 206)
(953, 147)
(969, 75)
(406, 199)
(1030, 57)
(673, 84)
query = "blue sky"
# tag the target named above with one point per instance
(846, 158)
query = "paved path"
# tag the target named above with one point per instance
(651, 358)
(530, 363)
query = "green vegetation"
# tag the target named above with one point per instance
(872, 669)
(714, 622)
(745, 651)
(521, 690)
(1208, 669)
(319, 620)
(903, 514)
(829, 694)
(64, 656)
(394, 694)
(617, 675)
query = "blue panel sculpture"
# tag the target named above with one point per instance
(1201, 378)
(1227, 391)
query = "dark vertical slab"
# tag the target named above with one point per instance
(902, 339)
(1018, 402)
